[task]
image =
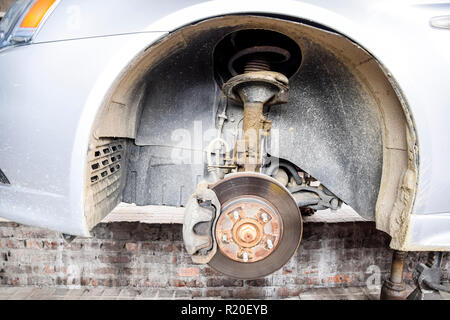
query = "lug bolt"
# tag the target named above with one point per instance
(245, 256)
(334, 203)
(269, 244)
(264, 217)
(224, 238)
(236, 214)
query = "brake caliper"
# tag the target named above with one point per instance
(201, 214)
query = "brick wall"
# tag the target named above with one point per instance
(152, 258)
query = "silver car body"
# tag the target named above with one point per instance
(51, 91)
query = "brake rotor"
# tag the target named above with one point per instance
(259, 227)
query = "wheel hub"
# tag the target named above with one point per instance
(248, 229)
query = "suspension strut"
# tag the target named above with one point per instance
(256, 88)
(247, 224)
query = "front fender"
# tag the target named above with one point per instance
(49, 97)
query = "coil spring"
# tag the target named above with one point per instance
(256, 64)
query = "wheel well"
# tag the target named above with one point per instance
(379, 96)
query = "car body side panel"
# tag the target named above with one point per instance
(42, 107)
(429, 231)
(75, 19)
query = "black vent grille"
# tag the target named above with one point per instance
(105, 179)
(3, 178)
(107, 161)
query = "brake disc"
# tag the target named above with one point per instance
(259, 227)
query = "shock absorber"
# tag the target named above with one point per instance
(255, 88)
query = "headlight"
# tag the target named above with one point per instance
(22, 20)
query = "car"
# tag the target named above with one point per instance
(248, 114)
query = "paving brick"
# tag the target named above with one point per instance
(7, 291)
(22, 293)
(149, 293)
(61, 292)
(166, 293)
(92, 298)
(93, 292)
(111, 292)
(129, 292)
(41, 293)
(76, 292)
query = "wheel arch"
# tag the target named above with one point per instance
(400, 142)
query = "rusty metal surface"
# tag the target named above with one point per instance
(200, 218)
(427, 278)
(255, 90)
(394, 288)
(282, 55)
(277, 87)
(238, 185)
(248, 225)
